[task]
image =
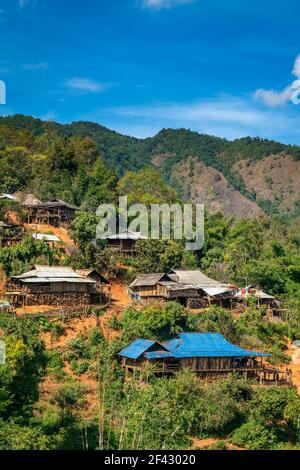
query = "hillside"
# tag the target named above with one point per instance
(242, 178)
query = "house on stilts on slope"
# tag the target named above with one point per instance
(206, 354)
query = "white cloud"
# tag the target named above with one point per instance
(296, 69)
(159, 4)
(85, 85)
(224, 116)
(275, 98)
(37, 66)
(229, 110)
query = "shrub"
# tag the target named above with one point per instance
(254, 436)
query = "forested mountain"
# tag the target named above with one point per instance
(63, 386)
(244, 177)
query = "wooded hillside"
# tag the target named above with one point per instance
(187, 160)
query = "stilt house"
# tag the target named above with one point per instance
(206, 354)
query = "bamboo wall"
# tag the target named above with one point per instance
(59, 287)
(207, 363)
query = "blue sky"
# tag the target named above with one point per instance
(223, 67)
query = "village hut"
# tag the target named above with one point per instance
(56, 212)
(54, 285)
(206, 354)
(191, 288)
(124, 242)
(261, 298)
(210, 291)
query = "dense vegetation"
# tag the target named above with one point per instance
(159, 413)
(64, 157)
(87, 165)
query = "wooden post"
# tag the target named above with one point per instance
(261, 377)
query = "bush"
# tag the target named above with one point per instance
(268, 405)
(57, 329)
(54, 360)
(16, 437)
(79, 367)
(70, 395)
(156, 321)
(254, 436)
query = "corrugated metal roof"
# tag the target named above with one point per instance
(206, 345)
(8, 196)
(195, 277)
(88, 272)
(174, 286)
(212, 291)
(137, 348)
(158, 355)
(41, 280)
(188, 345)
(52, 204)
(129, 235)
(147, 280)
(52, 274)
(57, 271)
(44, 236)
(63, 203)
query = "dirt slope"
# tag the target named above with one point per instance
(295, 366)
(120, 302)
(206, 185)
(275, 178)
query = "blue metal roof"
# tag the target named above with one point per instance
(207, 345)
(201, 345)
(137, 348)
(158, 354)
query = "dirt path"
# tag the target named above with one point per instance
(120, 302)
(202, 444)
(120, 295)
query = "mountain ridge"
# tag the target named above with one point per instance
(217, 167)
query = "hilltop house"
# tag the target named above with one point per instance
(191, 288)
(54, 285)
(56, 212)
(207, 354)
(125, 242)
